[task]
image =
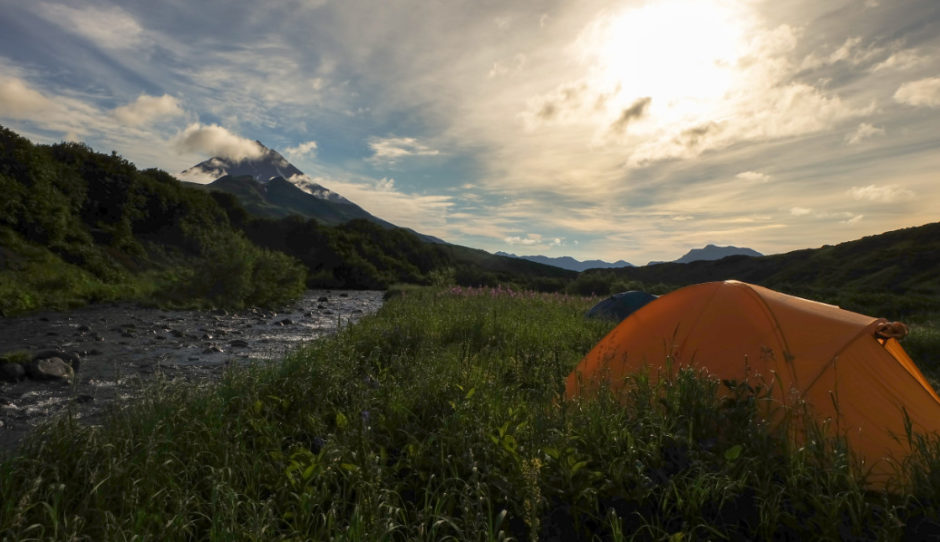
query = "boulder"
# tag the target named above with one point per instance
(11, 372)
(69, 357)
(49, 369)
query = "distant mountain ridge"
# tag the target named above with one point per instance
(567, 262)
(712, 252)
(708, 253)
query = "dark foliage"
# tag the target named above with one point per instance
(97, 221)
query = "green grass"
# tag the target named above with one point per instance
(442, 418)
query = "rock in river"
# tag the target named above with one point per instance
(49, 369)
(11, 372)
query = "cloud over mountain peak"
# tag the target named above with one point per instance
(217, 141)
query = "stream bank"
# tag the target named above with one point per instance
(123, 347)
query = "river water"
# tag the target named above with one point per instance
(122, 347)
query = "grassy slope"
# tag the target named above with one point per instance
(441, 418)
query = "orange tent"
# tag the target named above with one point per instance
(808, 351)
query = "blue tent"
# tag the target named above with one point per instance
(619, 306)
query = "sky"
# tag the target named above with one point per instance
(631, 130)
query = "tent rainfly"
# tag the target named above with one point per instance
(619, 306)
(849, 368)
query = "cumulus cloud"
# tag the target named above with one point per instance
(217, 141)
(110, 28)
(864, 131)
(301, 150)
(146, 109)
(753, 176)
(391, 149)
(636, 110)
(881, 194)
(924, 92)
(18, 100)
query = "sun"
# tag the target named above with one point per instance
(682, 54)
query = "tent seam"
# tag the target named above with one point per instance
(835, 357)
(778, 331)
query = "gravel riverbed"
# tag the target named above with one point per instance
(122, 347)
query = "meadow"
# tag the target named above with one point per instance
(443, 418)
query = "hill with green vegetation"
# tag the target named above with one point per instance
(77, 226)
(895, 274)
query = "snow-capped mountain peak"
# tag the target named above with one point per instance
(270, 164)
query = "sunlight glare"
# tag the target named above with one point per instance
(680, 53)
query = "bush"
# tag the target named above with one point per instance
(233, 272)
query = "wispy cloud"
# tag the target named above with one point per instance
(525, 241)
(636, 110)
(425, 213)
(753, 176)
(881, 194)
(905, 59)
(864, 131)
(109, 27)
(389, 150)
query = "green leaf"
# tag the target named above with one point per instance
(309, 471)
(733, 452)
(341, 420)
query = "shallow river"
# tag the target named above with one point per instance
(122, 347)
